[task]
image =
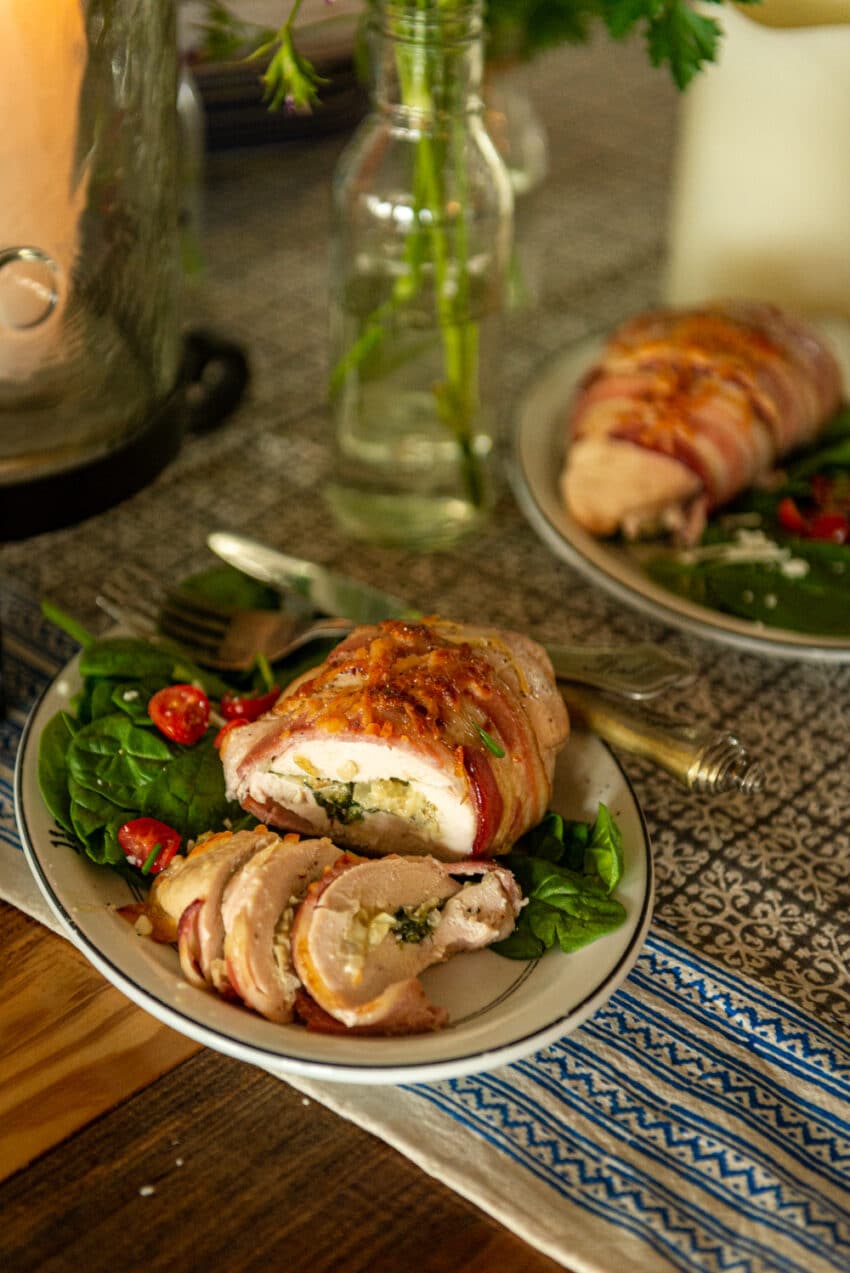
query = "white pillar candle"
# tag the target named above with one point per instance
(42, 178)
(761, 189)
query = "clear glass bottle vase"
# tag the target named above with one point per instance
(421, 252)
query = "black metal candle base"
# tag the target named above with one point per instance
(40, 504)
(212, 381)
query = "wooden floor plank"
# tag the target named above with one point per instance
(71, 1046)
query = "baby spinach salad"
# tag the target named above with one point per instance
(106, 763)
(137, 746)
(132, 775)
(779, 555)
(567, 871)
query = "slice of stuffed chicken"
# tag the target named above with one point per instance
(230, 904)
(425, 738)
(368, 928)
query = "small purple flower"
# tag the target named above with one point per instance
(289, 104)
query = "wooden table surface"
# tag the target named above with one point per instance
(124, 1145)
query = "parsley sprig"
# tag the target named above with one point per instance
(675, 34)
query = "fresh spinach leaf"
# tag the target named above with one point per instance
(100, 701)
(132, 697)
(188, 794)
(817, 602)
(115, 759)
(231, 589)
(52, 767)
(132, 658)
(546, 840)
(92, 814)
(604, 853)
(567, 871)
(125, 658)
(522, 943)
(67, 623)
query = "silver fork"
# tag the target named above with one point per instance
(228, 640)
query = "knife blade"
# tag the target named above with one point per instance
(326, 591)
(639, 671)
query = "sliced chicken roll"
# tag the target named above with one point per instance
(368, 929)
(257, 912)
(428, 738)
(189, 895)
(229, 905)
(686, 409)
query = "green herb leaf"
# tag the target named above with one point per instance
(490, 743)
(151, 858)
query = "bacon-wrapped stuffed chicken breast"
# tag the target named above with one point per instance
(685, 409)
(229, 905)
(430, 737)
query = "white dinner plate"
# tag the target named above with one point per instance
(540, 445)
(500, 1009)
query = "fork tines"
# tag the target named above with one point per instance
(137, 598)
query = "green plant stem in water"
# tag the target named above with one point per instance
(456, 397)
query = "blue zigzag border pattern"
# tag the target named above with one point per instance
(696, 1111)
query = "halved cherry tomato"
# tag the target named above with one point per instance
(148, 844)
(248, 706)
(228, 728)
(181, 712)
(790, 517)
(830, 526)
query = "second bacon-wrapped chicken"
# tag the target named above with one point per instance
(429, 738)
(685, 409)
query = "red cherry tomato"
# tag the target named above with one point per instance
(181, 712)
(148, 844)
(248, 706)
(790, 517)
(228, 728)
(830, 526)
